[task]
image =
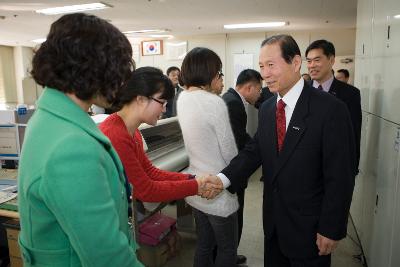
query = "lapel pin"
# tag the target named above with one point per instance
(296, 128)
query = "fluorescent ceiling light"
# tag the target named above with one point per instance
(397, 16)
(72, 9)
(161, 36)
(39, 41)
(147, 31)
(255, 25)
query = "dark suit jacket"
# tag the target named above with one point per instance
(307, 187)
(265, 94)
(237, 117)
(350, 95)
(170, 109)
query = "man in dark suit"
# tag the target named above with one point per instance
(247, 91)
(343, 75)
(305, 145)
(320, 57)
(265, 94)
(173, 75)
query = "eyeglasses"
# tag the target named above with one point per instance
(220, 74)
(163, 103)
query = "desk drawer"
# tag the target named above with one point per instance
(12, 228)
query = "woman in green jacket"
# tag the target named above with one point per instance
(72, 189)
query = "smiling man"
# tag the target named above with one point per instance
(320, 57)
(305, 145)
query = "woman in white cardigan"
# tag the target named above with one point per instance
(210, 144)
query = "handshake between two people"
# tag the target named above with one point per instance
(209, 186)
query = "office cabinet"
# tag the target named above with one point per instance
(386, 195)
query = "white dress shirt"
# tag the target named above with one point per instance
(290, 99)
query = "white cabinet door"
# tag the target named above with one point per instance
(395, 255)
(369, 162)
(386, 194)
(359, 196)
(391, 56)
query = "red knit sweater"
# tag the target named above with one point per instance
(150, 184)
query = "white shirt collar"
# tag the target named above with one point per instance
(293, 94)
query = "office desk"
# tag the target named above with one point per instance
(9, 214)
(5, 211)
(12, 229)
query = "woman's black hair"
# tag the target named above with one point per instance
(200, 66)
(84, 55)
(145, 81)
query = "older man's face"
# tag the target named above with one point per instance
(279, 75)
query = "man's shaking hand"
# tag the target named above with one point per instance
(209, 186)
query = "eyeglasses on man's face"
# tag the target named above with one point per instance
(163, 103)
(220, 74)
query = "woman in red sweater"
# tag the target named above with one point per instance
(142, 101)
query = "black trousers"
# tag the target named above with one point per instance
(273, 256)
(240, 195)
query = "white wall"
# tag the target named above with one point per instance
(226, 45)
(376, 200)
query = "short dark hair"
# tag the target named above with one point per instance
(145, 81)
(84, 55)
(327, 47)
(248, 75)
(288, 45)
(345, 72)
(173, 68)
(200, 66)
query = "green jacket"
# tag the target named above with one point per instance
(72, 198)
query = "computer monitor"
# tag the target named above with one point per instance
(10, 141)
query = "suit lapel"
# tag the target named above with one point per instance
(334, 88)
(295, 130)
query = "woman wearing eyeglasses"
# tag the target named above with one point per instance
(142, 101)
(209, 141)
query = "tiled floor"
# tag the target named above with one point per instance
(252, 243)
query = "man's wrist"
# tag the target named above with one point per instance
(225, 181)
